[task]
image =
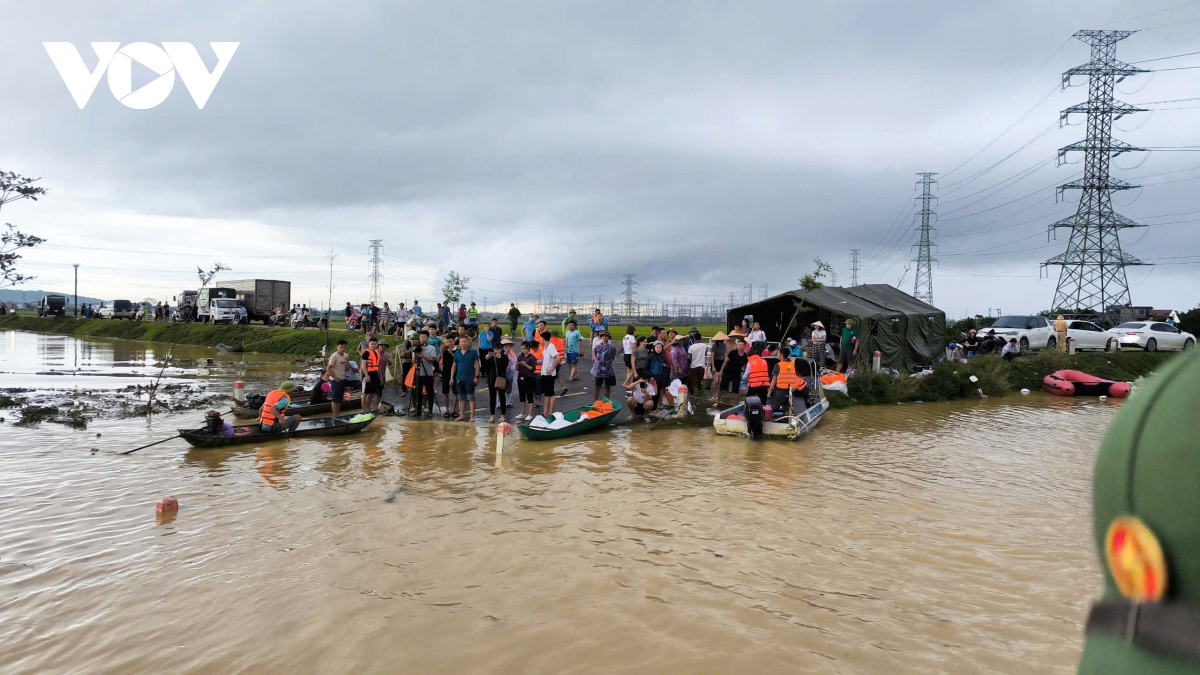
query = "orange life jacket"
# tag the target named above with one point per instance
(268, 417)
(559, 345)
(788, 379)
(759, 377)
(372, 360)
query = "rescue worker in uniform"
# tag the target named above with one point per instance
(759, 379)
(785, 380)
(1146, 525)
(374, 376)
(272, 417)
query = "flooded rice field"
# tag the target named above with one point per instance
(940, 538)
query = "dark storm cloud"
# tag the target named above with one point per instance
(702, 145)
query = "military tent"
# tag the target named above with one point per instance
(905, 331)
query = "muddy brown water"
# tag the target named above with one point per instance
(937, 538)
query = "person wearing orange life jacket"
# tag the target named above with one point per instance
(759, 379)
(373, 372)
(272, 417)
(785, 380)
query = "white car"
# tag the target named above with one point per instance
(1087, 335)
(1152, 336)
(1032, 333)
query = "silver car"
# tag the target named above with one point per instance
(1152, 336)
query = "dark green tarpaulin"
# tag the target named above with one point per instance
(905, 331)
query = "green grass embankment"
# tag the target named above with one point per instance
(995, 377)
(253, 338)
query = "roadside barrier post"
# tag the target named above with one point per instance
(875, 358)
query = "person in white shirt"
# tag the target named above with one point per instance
(641, 399)
(818, 340)
(1011, 350)
(628, 344)
(550, 360)
(697, 356)
(757, 338)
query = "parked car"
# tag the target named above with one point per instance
(1152, 336)
(1087, 335)
(1033, 333)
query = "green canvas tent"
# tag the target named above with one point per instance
(905, 331)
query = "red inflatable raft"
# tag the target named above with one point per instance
(1072, 382)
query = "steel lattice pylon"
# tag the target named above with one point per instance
(854, 266)
(1092, 275)
(923, 285)
(629, 283)
(376, 249)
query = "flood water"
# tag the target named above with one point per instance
(937, 538)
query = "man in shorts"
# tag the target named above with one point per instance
(573, 338)
(550, 360)
(604, 358)
(641, 399)
(339, 364)
(465, 374)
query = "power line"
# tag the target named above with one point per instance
(1164, 58)
(1141, 16)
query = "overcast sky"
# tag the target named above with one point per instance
(556, 146)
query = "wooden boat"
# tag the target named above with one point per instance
(732, 422)
(232, 349)
(301, 408)
(325, 426)
(578, 424)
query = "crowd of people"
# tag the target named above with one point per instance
(443, 359)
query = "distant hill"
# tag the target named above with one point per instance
(10, 295)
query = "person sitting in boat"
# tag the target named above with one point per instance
(272, 417)
(785, 381)
(1011, 350)
(320, 392)
(641, 399)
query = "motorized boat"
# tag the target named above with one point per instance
(1074, 382)
(302, 408)
(749, 419)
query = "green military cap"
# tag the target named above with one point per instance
(1146, 524)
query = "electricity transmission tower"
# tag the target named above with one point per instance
(923, 285)
(1092, 269)
(627, 309)
(376, 249)
(853, 267)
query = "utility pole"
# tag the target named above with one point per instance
(854, 266)
(76, 266)
(1092, 269)
(923, 284)
(376, 249)
(629, 283)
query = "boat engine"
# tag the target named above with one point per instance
(754, 417)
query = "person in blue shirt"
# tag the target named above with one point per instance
(599, 323)
(573, 338)
(465, 375)
(530, 327)
(417, 311)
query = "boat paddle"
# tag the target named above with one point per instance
(129, 452)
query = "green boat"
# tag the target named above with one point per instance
(577, 426)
